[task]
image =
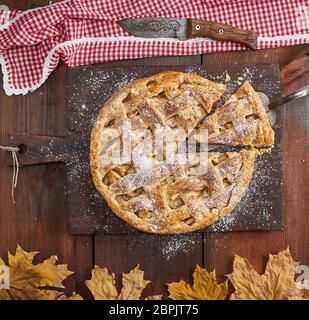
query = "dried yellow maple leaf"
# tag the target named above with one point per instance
(157, 297)
(205, 287)
(28, 281)
(277, 283)
(305, 294)
(74, 296)
(102, 285)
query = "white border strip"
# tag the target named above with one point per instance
(45, 72)
(9, 91)
(304, 36)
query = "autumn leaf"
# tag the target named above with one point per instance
(102, 285)
(157, 297)
(305, 294)
(277, 283)
(28, 281)
(205, 287)
(74, 296)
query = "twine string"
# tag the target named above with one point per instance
(13, 151)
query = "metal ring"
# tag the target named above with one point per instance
(221, 31)
(197, 27)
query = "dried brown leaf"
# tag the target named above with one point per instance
(305, 294)
(277, 283)
(74, 296)
(102, 284)
(157, 297)
(133, 284)
(30, 281)
(205, 287)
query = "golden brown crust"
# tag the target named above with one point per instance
(166, 198)
(241, 121)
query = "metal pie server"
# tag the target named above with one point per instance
(269, 106)
(186, 29)
(302, 92)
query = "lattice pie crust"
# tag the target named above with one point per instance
(177, 198)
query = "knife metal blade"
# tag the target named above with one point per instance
(187, 28)
(213, 147)
(155, 27)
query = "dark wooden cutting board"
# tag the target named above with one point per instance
(88, 88)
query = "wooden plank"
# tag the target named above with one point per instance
(220, 248)
(38, 221)
(90, 87)
(38, 149)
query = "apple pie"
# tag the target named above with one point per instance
(138, 179)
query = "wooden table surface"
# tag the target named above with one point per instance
(38, 221)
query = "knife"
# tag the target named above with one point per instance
(186, 29)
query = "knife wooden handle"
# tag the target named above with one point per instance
(221, 32)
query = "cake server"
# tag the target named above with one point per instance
(302, 92)
(269, 106)
(186, 29)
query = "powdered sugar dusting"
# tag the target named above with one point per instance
(177, 244)
(171, 246)
(257, 207)
(89, 88)
(246, 73)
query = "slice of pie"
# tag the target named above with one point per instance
(241, 121)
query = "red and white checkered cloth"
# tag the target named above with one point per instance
(81, 32)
